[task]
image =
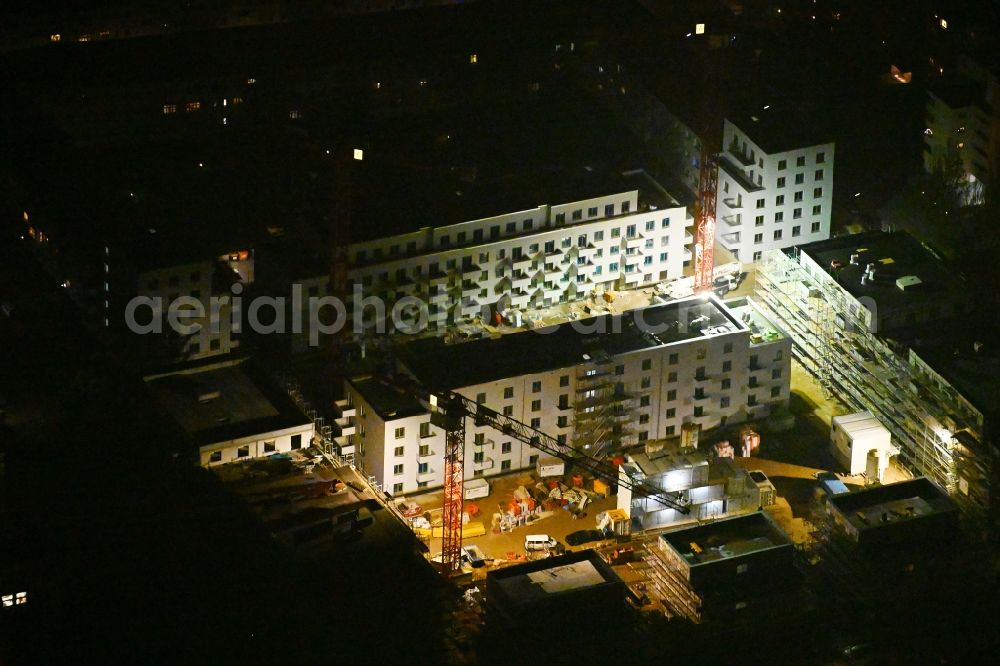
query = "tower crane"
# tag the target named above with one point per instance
(449, 411)
(708, 175)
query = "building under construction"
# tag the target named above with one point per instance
(885, 326)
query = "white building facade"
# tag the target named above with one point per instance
(721, 369)
(635, 236)
(771, 200)
(192, 285)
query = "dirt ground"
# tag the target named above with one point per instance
(556, 524)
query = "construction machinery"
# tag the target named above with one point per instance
(449, 410)
(708, 174)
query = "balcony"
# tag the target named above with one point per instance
(733, 203)
(484, 464)
(634, 242)
(733, 220)
(735, 172)
(521, 281)
(635, 277)
(522, 262)
(345, 445)
(554, 258)
(346, 426)
(740, 157)
(469, 307)
(345, 408)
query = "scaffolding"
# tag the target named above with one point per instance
(833, 341)
(603, 410)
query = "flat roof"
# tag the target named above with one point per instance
(389, 199)
(444, 366)
(553, 577)
(223, 401)
(968, 359)
(663, 461)
(780, 129)
(726, 539)
(873, 507)
(960, 95)
(388, 401)
(858, 422)
(895, 255)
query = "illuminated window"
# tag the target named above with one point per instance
(55, 37)
(237, 100)
(192, 106)
(250, 82)
(294, 114)
(473, 58)
(169, 108)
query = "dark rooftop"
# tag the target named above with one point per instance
(777, 130)
(222, 401)
(447, 367)
(960, 95)
(969, 360)
(870, 508)
(895, 255)
(389, 401)
(727, 538)
(391, 202)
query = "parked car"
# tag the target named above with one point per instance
(581, 537)
(539, 542)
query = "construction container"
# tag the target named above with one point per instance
(551, 467)
(476, 488)
(601, 488)
(578, 480)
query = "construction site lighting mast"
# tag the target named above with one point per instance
(449, 411)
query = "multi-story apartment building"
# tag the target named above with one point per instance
(691, 361)
(229, 412)
(961, 127)
(775, 186)
(884, 326)
(204, 285)
(621, 231)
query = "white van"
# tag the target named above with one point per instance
(538, 542)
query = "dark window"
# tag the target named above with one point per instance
(296, 441)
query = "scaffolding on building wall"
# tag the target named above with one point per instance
(603, 410)
(834, 342)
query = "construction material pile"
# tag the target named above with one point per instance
(529, 503)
